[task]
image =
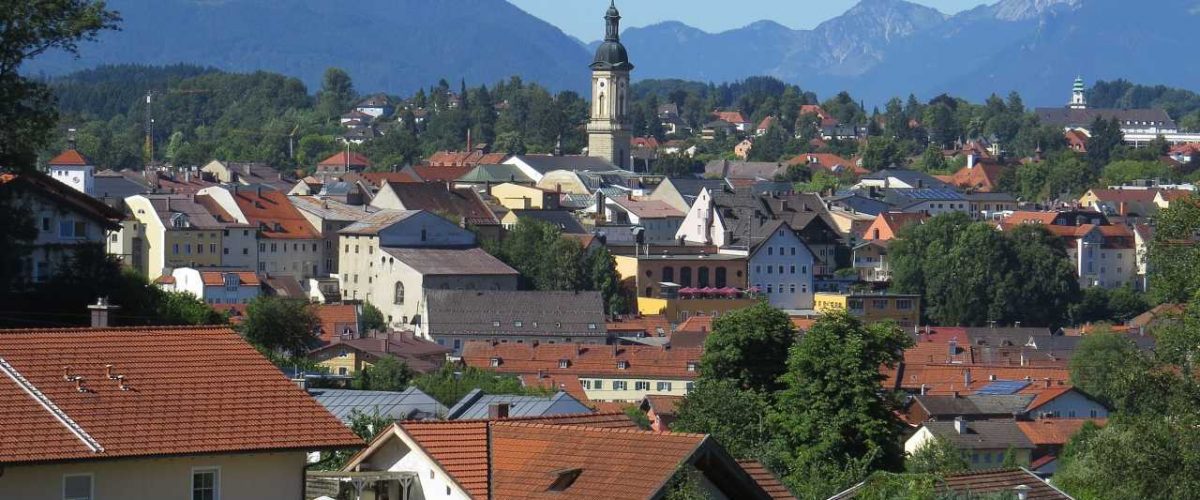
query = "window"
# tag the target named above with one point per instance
(175, 249)
(757, 269)
(1094, 413)
(668, 274)
(591, 326)
(45, 223)
(879, 303)
(770, 269)
(495, 324)
(563, 363)
(780, 269)
(77, 487)
(598, 385)
(343, 371)
(792, 288)
(622, 365)
(904, 304)
(518, 324)
(457, 344)
(685, 276)
(200, 248)
(206, 484)
(692, 366)
(702, 277)
(793, 250)
(399, 296)
(770, 251)
(495, 362)
(664, 387)
(689, 386)
(722, 278)
(641, 385)
(620, 385)
(792, 270)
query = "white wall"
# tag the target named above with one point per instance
(258, 476)
(82, 179)
(777, 254)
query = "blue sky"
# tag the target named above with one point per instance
(581, 18)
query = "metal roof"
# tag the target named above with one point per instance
(475, 405)
(1003, 387)
(411, 404)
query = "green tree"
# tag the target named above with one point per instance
(388, 374)
(938, 456)
(771, 146)
(733, 415)
(1175, 266)
(364, 425)
(182, 308)
(1106, 137)
(450, 383)
(1125, 171)
(372, 318)
(881, 152)
(281, 324)
(1107, 366)
(1145, 456)
(932, 161)
(337, 93)
(749, 347)
(832, 412)
(602, 268)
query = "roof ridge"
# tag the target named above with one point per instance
(605, 430)
(78, 329)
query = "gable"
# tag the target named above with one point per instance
(425, 230)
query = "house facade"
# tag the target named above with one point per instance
(392, 257)
(905, 310)
(218, 286)
(781, 268)
(454, 317)
(64, 218)
(288, 245)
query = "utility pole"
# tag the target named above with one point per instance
(149, 146)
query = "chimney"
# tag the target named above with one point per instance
(1022, 492)
(498, 411)
(960, 425)
(100, 312)
(971, 160)
(923, 389)
(967, 378)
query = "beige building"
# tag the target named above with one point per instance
(288, 245)
(609, 128)
(329, 216)
(178, 232)
(522, 197)
(391, 257)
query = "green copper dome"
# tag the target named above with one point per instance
(611, 55)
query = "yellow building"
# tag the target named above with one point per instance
(178, 233)
(905, 310)
(678, 310)
(520, 197)
(645, 273)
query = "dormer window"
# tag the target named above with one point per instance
(693, 366)
(495, 324)
(518, 324)
(495, 362)
(180, 221)
(231, 282)
(564, 363)
(591, 326)
(622, 365)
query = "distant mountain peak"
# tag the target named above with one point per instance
(1021, 10)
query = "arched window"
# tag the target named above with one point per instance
(399, 293)
(601, 112)
(685, 276)
(668, 274)
(721, 278)
(702, 277)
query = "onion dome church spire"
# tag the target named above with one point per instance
(609, 127)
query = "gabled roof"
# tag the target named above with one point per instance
(335, 319)
(476, 405)
(540, 313)
(766, 479)
(217, 278)
(564, 220)
(584, 360)
(1054, 431)
(340, 160)
(171, 407)
(1049, 395)
(451, 261)
(573, 163)
(436, 198)
(442, 173)
(647, 209)
(406, 405)
(65, 196)
(982, 434)
(1000, 481)
(1125, 195)
(910, 177)
(496, 173)
(372, 224)
(734, 117)
(974, 405)
(377, 179)
(983, 176)
(69, 158)
(331, 209)
(273, 213)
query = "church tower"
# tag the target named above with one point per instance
(608, 129)
(1078, 101)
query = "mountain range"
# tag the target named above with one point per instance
(876, 50)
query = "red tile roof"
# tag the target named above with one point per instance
(766, 123)
(1054, 431)
(827, 162)
(653, 325)
(69, 158)
(442, 173)
(270, 211)
(335, 318)
(984, 177)
(1000, 482)
(734, 117)
(1049, 395)
(583, 360)
(339, 160)
(437, 198)
(217, 278)
(173, 406)
(66, 197)
(766, 479)
(1125, 195)
(378, 179)
(465, 158)
(526, 460)
(459, 448)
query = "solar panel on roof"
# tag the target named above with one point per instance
(1003, 387)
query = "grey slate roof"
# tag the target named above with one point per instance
(168, 206)
(574, 163)
(371, 224)
(859, 203)
(496, 174)
(117, 186)
(982, 434)
(692, 187)
(1083, 118)
(748, 213)
(562, 219)
(910, 177)
(451, 261)
(411, 404)
(974, 405)
(743, 169)
(475, 405)
(497, 313)
(327, 209)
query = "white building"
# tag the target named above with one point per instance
(781, 266)
(217, 287)
(75, 170)
(288, 245)
(390, 258)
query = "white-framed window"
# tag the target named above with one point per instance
(641, 385)
(620, 385)
(664, 387)
(206, 483)
(77, 487)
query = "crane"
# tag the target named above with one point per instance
(150, 95)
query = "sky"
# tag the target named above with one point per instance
(583, 18)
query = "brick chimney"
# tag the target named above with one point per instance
(100, 312)
(498, 411)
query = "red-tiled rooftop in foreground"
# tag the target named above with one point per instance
(176, 402)
(766, 479)
(997, 481)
